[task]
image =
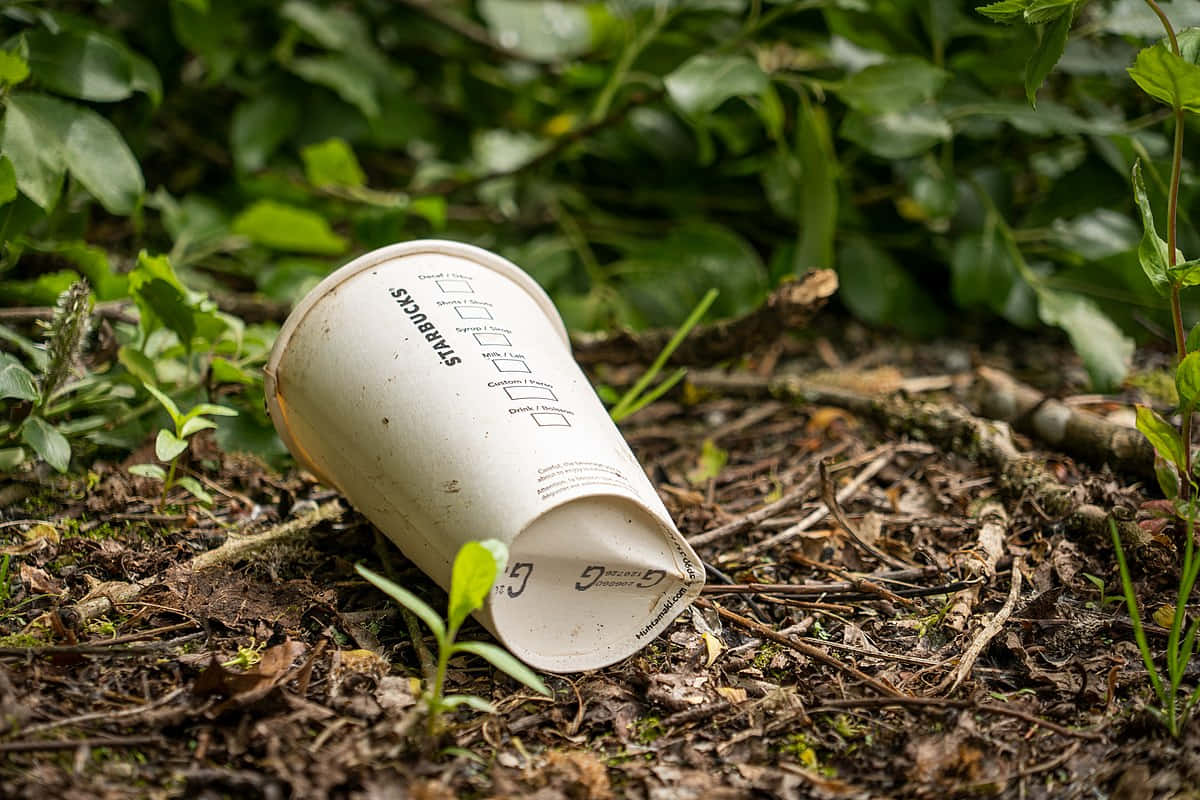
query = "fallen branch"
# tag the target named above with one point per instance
(959, 431)
(37, 745)
(981, 562)
(835, 510)
(1072, 430)
(788, 308)
(993, 627)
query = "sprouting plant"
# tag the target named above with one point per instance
(475, 569)
(1105, 597)
(246, 656)
(634, 400)
(168, 446)
(1179, 650)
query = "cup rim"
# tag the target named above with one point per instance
(478, 255)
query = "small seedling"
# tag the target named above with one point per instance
(637, 397)
(1105, 597)
(168, 446)
(475, 569)
(246, 656)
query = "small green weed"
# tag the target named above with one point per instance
(247, 656)
(1105, 597)
(472, 576)
(168, 446)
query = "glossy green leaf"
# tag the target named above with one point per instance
(504, 661)
(1105, 350)
(1039, 11)
(50, 445)
(1185, 274)
(816, 189)
(167, 403)
(897, 84)
(334, 28)
(1051, 44)
(1005, 10)
(1161, 435)
(1193, 338)
(83, 64)
(1152, 252)
(548, 31)
(472, 576)
(195, 425)
(210, 409)
(407, 599)
(1187, 381)
(332, 163)
(260, 125)
(196, 489)
(1172, 79)
(44, 137)
(15, 380)
(13, 68)
(704, 82)
(875, 287)
(168, 446)
(149, 471)
(349, 79)
(1166, 476)
(900, 134)
(284, 227)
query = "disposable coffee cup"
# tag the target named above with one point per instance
(432, 384)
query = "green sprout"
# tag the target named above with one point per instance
(168, 446)
(472, 576)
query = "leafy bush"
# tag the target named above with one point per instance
(631, 155)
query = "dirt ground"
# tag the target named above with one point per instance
(958, 647)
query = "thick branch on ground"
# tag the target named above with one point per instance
(956, 430)
(788, 308)
(1076, 432)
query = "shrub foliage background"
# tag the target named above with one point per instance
(630, 155)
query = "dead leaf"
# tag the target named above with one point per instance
(270, 670)
(39, 581)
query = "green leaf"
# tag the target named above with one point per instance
(1105, 350)
(877, 289)
(472, 576)
(712, 460)
(1187, 381)
(196, 489)
(1169, 78)
(13, 68)
(11, 458)
(406, 599)
(350, 80)
(16, 381)
(44, 137)
(284, 227)
(816, 189)
(1193, 339)
(1005, 10)
(1039, 11)
(50, 445)
(8, 181)
(899, 134)
(1152, 252)
(474, 701)
(209, 408)
(169, 305)
(195, 425)
(260, 125)
(332, 163)
(1052, 41)
(168, 446)
(704, 82)
(334, 28)
(546, 31)
(83, 64)
(897, 84)
(1185, 274)
(149, 471)
(167, 403)
(1161, 435)
(504, 661)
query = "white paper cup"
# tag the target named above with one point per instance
(432, 383)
